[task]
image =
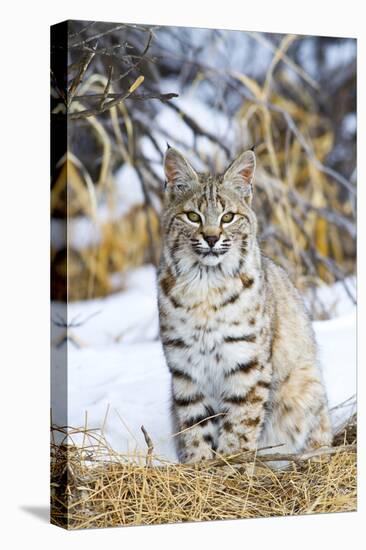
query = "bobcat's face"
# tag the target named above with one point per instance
(208, 218)
(213, 224)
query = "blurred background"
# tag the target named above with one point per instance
(128, 91)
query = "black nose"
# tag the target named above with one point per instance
(211, 240)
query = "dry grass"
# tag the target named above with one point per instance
(92, 486)
(125, 243)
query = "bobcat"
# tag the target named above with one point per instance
(236, 337)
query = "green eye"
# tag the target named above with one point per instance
(228, 217)
(193, 217)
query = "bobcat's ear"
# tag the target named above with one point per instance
(179, 173)
(240, 173)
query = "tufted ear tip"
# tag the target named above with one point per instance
(248, 157)
(240, 174)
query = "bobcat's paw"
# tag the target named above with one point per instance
(191, 456)
(231, 445)
(227, 449)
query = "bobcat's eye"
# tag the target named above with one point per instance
(228, 217)
(193, 217)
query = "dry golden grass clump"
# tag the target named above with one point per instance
(92, 486)
(125, 243)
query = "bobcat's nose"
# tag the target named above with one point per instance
(211, 240)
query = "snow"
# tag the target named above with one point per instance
(340, 53)
(118, 377)
(349, 125)
(129, 190)
(337, 352)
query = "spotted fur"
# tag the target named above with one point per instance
(237, 340)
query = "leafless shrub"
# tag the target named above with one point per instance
(306, 189)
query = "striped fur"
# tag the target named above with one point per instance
(235, 334)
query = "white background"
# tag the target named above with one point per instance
(24, 270)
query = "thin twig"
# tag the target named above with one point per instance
(140, 97)
(150, 446)
(83, 67)
(249, 456)
(107, 87)
(140, 59)
(72, 35)
(323, 451)
(99, 110)
(97, 36)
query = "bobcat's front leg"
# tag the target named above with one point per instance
(244, 405)
(196, 430)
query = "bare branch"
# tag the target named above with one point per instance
(101, 109)
(97, 36)
(138, 97)
(140, 59)
(84, 29)
(250, 456)
(83, 67)
(107, 88)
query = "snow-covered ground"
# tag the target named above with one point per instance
(118, 379)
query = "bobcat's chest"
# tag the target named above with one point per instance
(211, 353)
(217, 329)
(207, 362)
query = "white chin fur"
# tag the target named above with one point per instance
(211, 260)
